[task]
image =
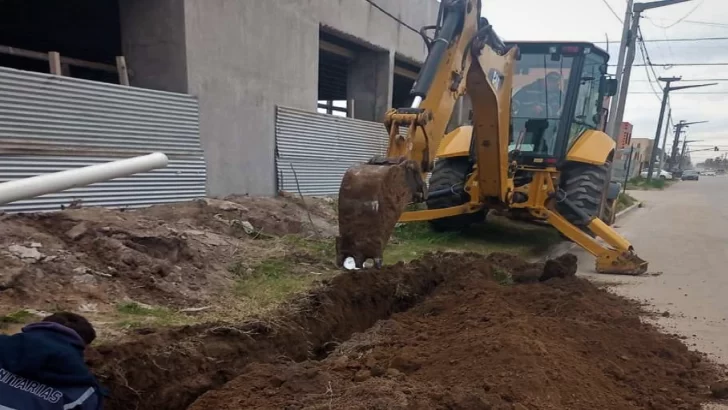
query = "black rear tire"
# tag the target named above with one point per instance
(452, 173)
(585, 185)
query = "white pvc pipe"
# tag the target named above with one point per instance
(60, 181)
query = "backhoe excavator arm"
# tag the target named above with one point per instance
(438, 87)
(374, 195)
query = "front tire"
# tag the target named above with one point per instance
(452, 173)
(585, 185)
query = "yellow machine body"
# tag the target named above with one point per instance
(499, 168)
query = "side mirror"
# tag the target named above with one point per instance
(609, 87)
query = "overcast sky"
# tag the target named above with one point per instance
(591, 20)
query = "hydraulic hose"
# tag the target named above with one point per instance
(453, 21)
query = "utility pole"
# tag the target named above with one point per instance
(676, 142)
(665, 95)
(613, 130)
(684, 147)
(616, 110)
(664, 139)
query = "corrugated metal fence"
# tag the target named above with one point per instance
(320, 148)
(50, 123)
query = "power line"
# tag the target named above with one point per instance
(692, 93)
(704, 23)
(670, 40)
(612, 10)
(707, 23)
(682, 64)
(693, 80)
(392, 16)
(681, 19)
(677, 64)
(648, 66)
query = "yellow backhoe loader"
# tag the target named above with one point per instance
(534, 148)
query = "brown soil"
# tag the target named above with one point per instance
(170, 369)
(170, 255)
(474, 343)
(559, 344)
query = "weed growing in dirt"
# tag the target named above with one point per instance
(624, 201)
(135, 315)
(412, 240)
(641, 183)
(502, 276)
(323, 249)
(15, 318)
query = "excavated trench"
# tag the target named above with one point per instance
(168, 370)
(456, 331)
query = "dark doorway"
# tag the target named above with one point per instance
(82, 29)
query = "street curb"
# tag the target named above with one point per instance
(628, 210)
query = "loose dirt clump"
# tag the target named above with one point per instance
(479, 343)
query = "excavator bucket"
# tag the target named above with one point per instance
(624, 263)
(371, 199)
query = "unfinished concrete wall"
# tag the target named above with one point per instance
(360, 21)
(153, 41)
(243, 58)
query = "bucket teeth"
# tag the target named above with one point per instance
(626, 263)
(372, 197)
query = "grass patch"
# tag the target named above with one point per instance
(19, 317)
(640, 183)
(412, 240)
(502, 276)
(624, 201)
(133, 315)
(262, 286)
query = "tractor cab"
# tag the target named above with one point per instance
(559, 91)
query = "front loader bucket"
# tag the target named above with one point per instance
(371, 199)
(621, 263)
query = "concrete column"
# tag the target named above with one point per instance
(243, 59)
(370, 84)
(153, 42)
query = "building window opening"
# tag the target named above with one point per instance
(332, 89)
(76, 38)
(337, 108)
(405, 75)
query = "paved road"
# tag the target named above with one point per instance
(683, 232)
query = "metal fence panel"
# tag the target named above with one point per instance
(51, 123)
(314, 150)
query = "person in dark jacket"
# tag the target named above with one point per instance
(43, 367)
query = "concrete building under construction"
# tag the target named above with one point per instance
(240, 59)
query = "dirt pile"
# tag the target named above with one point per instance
(170, 255)
(170, 369)
(479, 342)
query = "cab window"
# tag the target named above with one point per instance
(589, 101)
(539, 94)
